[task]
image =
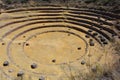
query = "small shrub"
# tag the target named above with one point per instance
(24, 1)
(8, 1)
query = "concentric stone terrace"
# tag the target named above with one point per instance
(37, 42)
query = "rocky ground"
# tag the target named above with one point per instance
(112, 5)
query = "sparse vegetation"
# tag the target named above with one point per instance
(8, 1)
(117, 48)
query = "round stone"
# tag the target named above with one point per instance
(91, 40)
(53, 60)
(27, 44)
(79, 48)
(102, 39)
(89, 55)
(10, 71)
(95, 34)
(113, 35)
(105, 42)
(100, 36)
(94, 69)
(87, 36)
(119, 37)
(20, 73)
(34, 65)
(24, 36)
(91, 43)
(68, 34)
(3, 43)
(101, 28)
(19, 43)
(82, 62)
(42, 78)
(89, 31)
(6, 63)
